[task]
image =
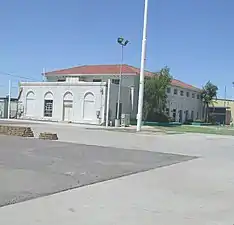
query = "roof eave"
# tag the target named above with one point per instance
(89, 74)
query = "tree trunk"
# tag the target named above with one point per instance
(207, 112)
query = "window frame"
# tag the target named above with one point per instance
(47, 103)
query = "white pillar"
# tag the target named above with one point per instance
(143, 54)
(108, 102)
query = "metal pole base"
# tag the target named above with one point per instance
(117, 122)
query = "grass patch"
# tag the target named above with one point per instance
(197, 129)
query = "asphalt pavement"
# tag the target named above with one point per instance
(30, 168)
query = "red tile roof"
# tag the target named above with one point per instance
(111, 70)
(97, 69)
(179, 83)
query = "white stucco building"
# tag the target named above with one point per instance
(82, 94)
(184, 102)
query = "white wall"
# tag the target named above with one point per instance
(58, 89)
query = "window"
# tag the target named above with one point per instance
(186, 112)
(174, 115)
(48, 108)
(175, 91)
(181, 93)
(48, 104)
(167, 111)
(115, 81)
(198, 96)
(193, 95)
(187, 94)
(168, 90)
(97, 80)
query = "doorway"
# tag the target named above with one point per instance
(180, 116)
(68, 107)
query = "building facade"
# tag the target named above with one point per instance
(71, 101)
(4, 107)
(184, 100)
(228, 110)
(184, 103)
(81, 94)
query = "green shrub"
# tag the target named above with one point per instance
(188, 122)
(158, 117)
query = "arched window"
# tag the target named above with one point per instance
(68, 106)
(89, 106)
(48, 104)
(30, 104)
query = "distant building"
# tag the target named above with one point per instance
(80, 94)
(223, 111)
(4, 107)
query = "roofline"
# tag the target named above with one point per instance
(80, 83)
(88, 74)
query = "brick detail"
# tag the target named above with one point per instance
(16, 131)
(48, 136)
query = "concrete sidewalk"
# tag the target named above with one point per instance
(194, 192)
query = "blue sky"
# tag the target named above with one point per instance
(194, 38)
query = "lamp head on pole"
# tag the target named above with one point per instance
(122, 41)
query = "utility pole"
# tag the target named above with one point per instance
(9, 100)
(142, 75)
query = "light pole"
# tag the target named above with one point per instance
(123, 43)
(143, 54)
(9, 101)
(233, 87)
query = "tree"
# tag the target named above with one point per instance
(155, 96)
(208, 95)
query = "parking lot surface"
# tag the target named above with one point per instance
(31, 168)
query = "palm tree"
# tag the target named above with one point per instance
(209, 95)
